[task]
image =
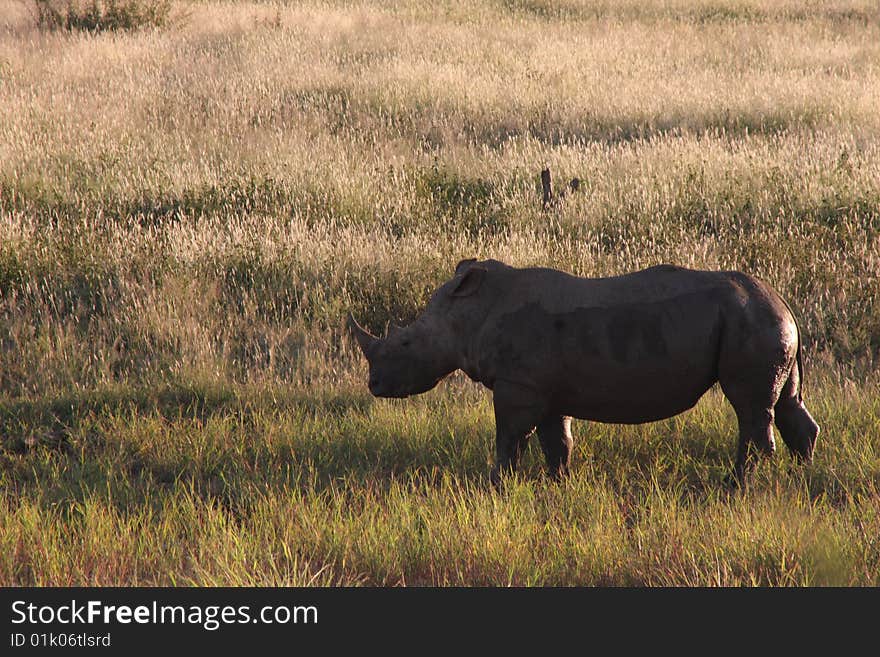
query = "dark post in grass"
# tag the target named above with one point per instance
(547, 187)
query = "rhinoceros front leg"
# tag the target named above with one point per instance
(556, 442)
(518, 409)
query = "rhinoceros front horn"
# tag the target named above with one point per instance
(364, 339)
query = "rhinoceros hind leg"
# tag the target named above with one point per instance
(755, 438)
(752, 380)
(797, 428)
(554, 433)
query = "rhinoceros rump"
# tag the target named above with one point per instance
(626, 349)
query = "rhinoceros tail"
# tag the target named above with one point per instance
(800, 366)
(798, 358)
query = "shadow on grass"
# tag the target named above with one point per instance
(170, 402)
(138, 446)
(229, 446)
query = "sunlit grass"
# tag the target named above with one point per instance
(212, 486)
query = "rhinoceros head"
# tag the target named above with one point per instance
(415, 358)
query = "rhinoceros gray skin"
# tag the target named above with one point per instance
(626, 349)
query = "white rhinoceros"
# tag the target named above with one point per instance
(625, 349)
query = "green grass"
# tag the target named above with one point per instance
(273, 486)
(188, 214)
(101, 16)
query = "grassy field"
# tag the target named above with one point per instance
(188, 213)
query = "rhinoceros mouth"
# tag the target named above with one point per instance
(390, 395)
(378, 390)
(392, 388)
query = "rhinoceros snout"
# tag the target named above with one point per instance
(380, 388)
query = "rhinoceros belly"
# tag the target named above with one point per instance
(628, 363)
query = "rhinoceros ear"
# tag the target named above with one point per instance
(470, 282)
(364, 339)
(464, 264)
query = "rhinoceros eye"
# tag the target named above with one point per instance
(405, 343)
